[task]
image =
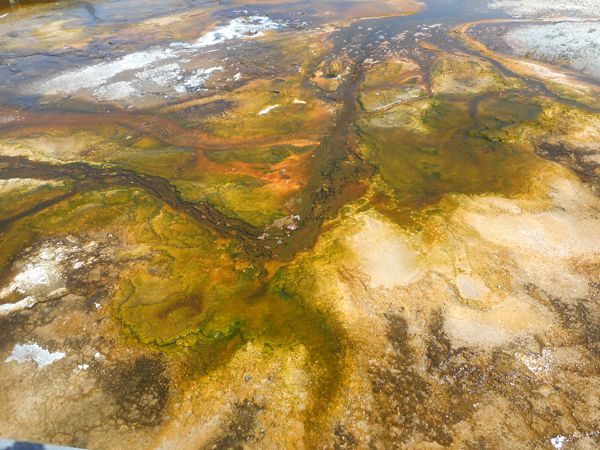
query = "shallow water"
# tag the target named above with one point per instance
(295, 225)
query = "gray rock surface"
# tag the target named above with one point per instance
(549, 8)
(575, 44)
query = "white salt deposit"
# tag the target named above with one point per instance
(558, 441)
(33, 275)
(134, 74)
(97, 75)
(198, 80)
(115, 91)
(267, 109)
(554, 8)
(42, 275)
(34, 352)
(27, 302)
(243, 27)
(35, 278)
(537, 364)
(163, 75)
(573, 43)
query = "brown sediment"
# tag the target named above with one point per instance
(584, 162)
(31, 194)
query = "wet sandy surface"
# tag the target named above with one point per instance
(267, 225)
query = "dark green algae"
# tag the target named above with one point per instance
(464, 144)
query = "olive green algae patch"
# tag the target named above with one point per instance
(210, 312)
(170, 164)
(508, 118)
(238, 196)
(268, 108)
(573, 89)
(264, 156)
(17, 196)
(456, 74)
(330, 74)
(254, 185)
(443, 149)
(376, 100)
(188, 272)
(389, 83)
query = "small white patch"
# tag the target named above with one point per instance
(78, 265)
(34, 352)
(115, 91)
(538, 364)
(198, 80)
(32, 276)
(237, 76)
(558, 441)
(161, 75)
(3, 16)
(47, 254)
(267, 109)
(25, 303)
(243, 27)
(299, 101)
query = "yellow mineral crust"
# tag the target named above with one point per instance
(471, 278)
